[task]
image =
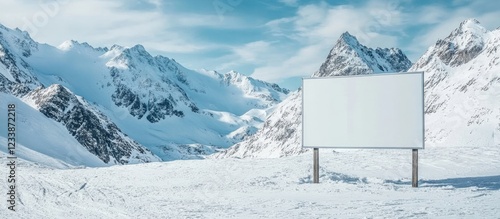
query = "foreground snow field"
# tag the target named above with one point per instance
(454, 182)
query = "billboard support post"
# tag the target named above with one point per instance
(414, 175)
(316, 165)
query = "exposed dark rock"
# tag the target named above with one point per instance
(89, 127)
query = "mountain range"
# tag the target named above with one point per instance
(78, 105)
(462, 92)
(124, 105)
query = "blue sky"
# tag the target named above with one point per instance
(279, 41)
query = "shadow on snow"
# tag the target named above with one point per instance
(482, 182)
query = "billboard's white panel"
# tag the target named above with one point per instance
(368, 111)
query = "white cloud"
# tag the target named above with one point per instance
(303, 63)
(429, 14)
(253, 52)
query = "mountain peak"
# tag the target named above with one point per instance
(71, 44)
(470, 23)
(234, 77)
(139, 50)
(347, 38)
(17, 41)
(68, 45)
(233, 73)
(21, 34)
(461, 46)
(130, 57)
(469, 27)
(116, 47)
(349, 57)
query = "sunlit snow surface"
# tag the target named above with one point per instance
(455, 182)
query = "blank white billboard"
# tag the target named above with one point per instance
(364, 111)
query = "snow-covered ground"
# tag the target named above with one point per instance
(455, 182)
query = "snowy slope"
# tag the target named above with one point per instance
(43, 140)
(353, 184)
(462, 84)
(282, 128)
(176, 112)
(281, 133)
(88, 126)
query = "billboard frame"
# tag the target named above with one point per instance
(368, 75)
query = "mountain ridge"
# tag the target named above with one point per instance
(153, 102)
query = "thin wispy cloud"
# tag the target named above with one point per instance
(290, 2)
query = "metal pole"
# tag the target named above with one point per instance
(414, 176)
(316, 165)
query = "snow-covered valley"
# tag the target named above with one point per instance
(454, 183)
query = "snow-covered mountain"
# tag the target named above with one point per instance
(281, 133)
(349, 57)
(462, 92)
(15, 72)
(462, 87)
(119, 101)
(91, 130)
